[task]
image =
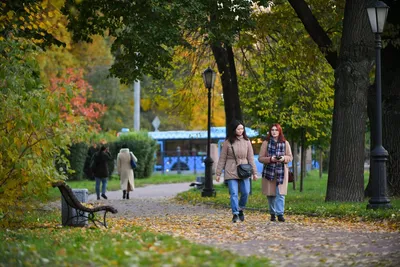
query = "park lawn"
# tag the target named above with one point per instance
(310, 202)
(41, 242)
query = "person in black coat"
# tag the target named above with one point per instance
(100, 170)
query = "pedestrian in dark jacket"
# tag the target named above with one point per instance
(100, 170)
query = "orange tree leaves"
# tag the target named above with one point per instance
(32, 130)
(79, 89)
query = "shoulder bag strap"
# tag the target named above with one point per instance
(234, 153)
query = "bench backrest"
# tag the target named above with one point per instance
(69, 196)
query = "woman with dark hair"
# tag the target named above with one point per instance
(275, 153)
(237, 149)
(125, 170)
(100, 170)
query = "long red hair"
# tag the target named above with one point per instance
(281, 137)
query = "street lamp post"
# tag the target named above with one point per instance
(208, 190)
(377, 17)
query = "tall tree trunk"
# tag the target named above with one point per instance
(391, 105)
(321, 159)
(294, 164)
(346, 166)
(391, 115)
(391, 101)
(371, 111)
(302, 159)
(226, 67)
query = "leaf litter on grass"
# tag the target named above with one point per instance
(306, 241)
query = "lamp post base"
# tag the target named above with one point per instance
(208, 190)
(379, 199)
(208, 193)
(375, 206)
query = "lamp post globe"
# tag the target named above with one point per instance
(379, 200)
(208, 190)
(377, 15)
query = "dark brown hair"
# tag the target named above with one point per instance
(232, 131)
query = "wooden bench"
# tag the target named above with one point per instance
(81, 211)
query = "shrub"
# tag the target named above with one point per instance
(77, 158)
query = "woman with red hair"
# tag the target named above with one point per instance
(275, 153)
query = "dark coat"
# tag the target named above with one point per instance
(100, 164)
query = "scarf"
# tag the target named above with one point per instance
(273, 169)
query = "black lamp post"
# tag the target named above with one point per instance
(377, 17)
(208, 190)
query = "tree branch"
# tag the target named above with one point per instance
(315, 30)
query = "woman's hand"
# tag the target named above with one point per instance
(218, 178)
(255, 177)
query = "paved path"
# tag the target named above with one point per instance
(300, 241)
(149, 192)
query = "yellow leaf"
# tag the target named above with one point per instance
(10, 14)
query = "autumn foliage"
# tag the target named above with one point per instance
(74, 84)
(34, 130)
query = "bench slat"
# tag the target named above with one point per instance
(74, 203)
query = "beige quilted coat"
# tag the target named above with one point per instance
(124, 169)
(244, 154)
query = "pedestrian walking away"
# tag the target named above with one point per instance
(236, 150)
(275, 153)
(125, 170)
(99, 166)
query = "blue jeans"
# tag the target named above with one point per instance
(103, 187)
(233, 186)
(276, 203)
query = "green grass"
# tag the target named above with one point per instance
(114, 183)
(42, 244)
(310, 202)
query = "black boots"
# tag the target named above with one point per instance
(125, 194)
(280, 218)
(104, 196)
(235, 218)
(241, 215)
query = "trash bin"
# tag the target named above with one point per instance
(67, 212)
(200, 181)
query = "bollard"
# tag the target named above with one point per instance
(178, 151)
(67, 212)
(194, 153)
